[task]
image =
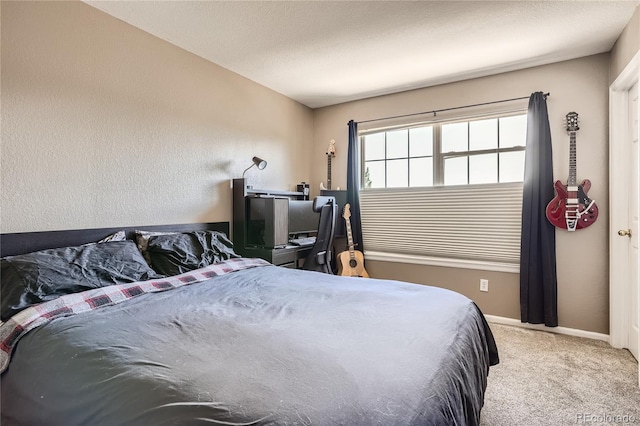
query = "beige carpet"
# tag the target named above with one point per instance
(552, 379)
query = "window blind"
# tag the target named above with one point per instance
(474, 222)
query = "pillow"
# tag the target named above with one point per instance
(142, 239)
(32, 278)
(175, 254)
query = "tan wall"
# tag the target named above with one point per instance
(625, 47)
(503, 298)
(579, 85)
(106, 125)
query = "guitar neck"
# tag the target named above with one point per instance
(329, 171)
(572, 159)
(352, 253)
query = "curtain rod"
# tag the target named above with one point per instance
(436, 111)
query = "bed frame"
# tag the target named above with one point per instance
(25, 242)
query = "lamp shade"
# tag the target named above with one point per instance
(258, 162)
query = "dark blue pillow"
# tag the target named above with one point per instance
(174, 254)
(32, 278)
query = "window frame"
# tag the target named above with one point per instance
(438, 156)
(406, 233)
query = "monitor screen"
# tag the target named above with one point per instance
(302, 219)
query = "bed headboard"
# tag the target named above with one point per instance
(26, 242)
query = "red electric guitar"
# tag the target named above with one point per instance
(571, 208)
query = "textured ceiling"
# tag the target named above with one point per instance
(327, 52)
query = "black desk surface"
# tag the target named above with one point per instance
(288, 255)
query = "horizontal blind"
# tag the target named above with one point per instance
(476, 222)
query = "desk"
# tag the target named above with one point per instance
(288, 256)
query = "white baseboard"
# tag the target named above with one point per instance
(559, 330)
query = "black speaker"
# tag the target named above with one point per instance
(268, 221)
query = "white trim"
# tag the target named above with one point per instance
(441, 261)
(629, 76)
(618, 213)
(558, 330)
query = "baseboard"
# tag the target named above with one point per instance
(559, 330)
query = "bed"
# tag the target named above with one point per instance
(179, 340)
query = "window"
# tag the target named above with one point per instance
(447, 193)
(482, 151)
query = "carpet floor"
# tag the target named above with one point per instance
(552, 379)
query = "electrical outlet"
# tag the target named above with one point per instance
(484, 284)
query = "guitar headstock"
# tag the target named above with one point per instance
(331, 149)
(572, 122)
(347, 211)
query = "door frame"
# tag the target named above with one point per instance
(619, 267)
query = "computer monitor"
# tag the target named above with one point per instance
(303, 221)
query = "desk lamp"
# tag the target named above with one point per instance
(257, 161)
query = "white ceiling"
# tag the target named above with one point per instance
(327, 52)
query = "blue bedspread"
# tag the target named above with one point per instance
(262, 346)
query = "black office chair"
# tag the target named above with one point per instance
(320, 257)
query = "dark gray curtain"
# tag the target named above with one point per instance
(353, 185)
(538, 282)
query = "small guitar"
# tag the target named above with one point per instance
(571, 208)
(331, 152)
(351, 262)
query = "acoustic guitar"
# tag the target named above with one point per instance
(350, 262)
(571, 208)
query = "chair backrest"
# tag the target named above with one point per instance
(320, 257)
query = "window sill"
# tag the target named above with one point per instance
(444, 262)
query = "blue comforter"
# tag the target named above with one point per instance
(262, 346)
